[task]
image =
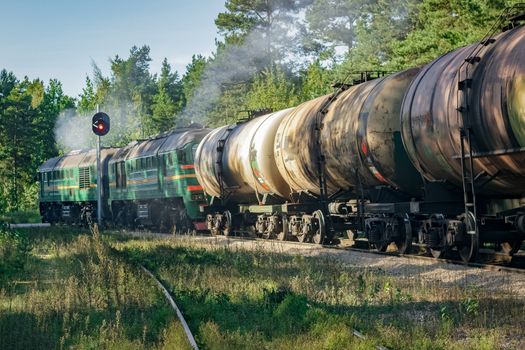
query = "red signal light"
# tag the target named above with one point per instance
(100, 124)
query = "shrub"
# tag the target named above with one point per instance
(14, 251)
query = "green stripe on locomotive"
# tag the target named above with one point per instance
(158, 168)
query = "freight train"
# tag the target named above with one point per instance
(433, 156)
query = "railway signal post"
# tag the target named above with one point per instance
(100, 125)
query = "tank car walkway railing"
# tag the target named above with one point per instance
(508, 19)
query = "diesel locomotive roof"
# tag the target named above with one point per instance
(79, 158)
(178, 140)
(160, 144)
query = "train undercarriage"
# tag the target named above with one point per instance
(440, 227)
(164, 215)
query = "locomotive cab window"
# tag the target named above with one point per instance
(116, 172)
(193, 152)
(122, 174)
(181, 156)
(163, 164)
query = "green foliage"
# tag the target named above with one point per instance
(14, 251)
(168, 101)
(271, 89)
(440, 26)
(316, 81)
(28, 112)
(73, 292)
(88, 99)
(22, 216)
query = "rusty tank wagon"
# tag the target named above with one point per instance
(432, 155)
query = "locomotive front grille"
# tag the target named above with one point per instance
(83, 178)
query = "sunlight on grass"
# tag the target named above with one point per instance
(238, 299)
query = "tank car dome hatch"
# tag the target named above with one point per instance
(496, 116)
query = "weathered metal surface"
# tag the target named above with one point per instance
(265, 177)
(431, 122)
(245, 164)
(360, 139)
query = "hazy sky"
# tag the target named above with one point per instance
(60, 38)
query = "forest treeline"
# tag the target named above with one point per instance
(271, 54)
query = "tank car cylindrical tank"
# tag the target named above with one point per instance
(360, 133)
(496, 109)
(244, 162)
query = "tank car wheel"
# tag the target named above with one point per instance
(283, 235)
(375, 231)
(469, 245)
(438, 253)
(510, 248)
(302, 237)
(404, 241)
(320, 233)
(227, 230)
(381, 246)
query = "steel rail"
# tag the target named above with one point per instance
(484, 266)
(168, 296)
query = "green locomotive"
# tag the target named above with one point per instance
(148, 183)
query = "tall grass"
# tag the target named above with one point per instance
(73, 292)
(79, 290)
(238, 299)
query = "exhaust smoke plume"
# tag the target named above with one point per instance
(73, 130)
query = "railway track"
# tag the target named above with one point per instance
(489, 261)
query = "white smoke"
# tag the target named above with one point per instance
(74, 130)
(239, 63)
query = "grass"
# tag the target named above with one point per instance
(21, 217)
(74, 292)
(235, 299)
(71, 289)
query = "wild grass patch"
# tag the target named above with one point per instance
(235, 299)
(74, 292)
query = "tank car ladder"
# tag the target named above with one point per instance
(321, 160)
(507, 20)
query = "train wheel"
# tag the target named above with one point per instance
(510, 248)
(469, 244)
(438, 253)
(404, 241)
(283, 235)
(227, 230)
(381, 246)
(302, 237)
(320, 232)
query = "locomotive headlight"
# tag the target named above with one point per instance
(197, 197)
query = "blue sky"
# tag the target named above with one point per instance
(60, 38)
